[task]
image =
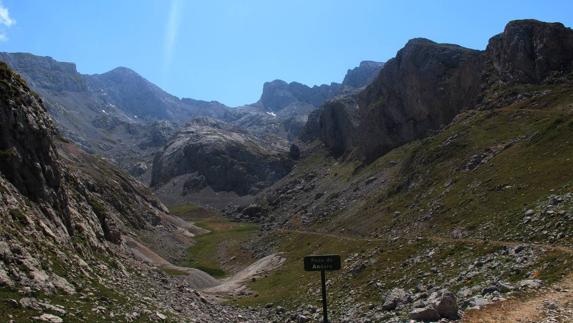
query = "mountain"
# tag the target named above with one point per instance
(111, 114)
(287, 106)
(125, 118)
(444, 185)
(140, 98)
(251, 148)
(442, 180)
(428, 84)
(128, 120)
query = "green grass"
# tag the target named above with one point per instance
(173, 272)
(191, 211)
(8, 153)
(222, 243)
(183, 209)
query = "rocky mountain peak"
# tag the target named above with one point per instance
(427, 84)
(362, 75)
(279, 94)
(276, 95)
(531, 50)
(45, 72)
(123, 71)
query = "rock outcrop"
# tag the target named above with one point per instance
(528, 51)
(420, 90)
(28, 156)
(427, 84)
(214, 154)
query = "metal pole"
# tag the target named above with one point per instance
(324, 309)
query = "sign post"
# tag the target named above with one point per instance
(322, 264)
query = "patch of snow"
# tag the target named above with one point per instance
(102, 110)
(272, 114)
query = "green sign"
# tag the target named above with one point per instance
(320, 263)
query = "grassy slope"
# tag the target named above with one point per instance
(488, 201)
(428, 175)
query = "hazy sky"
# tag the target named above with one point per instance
(225, 50)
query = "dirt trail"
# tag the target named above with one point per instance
(553, 305)
(501, 243)
(511, 244)
(236, 284)
(198, 279)
(331, 235)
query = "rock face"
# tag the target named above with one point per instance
(338, 124)
(221, 157)
(422, 89)
(28, 156)
(57, 194)
(528, 51)
(427, 84)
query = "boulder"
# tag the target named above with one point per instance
(294, 152)
(397, 296)
(49, 318)
(530, 283)
(426, 314)
(254, 211)
(447, 306)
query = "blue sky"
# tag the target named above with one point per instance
(225, 50)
